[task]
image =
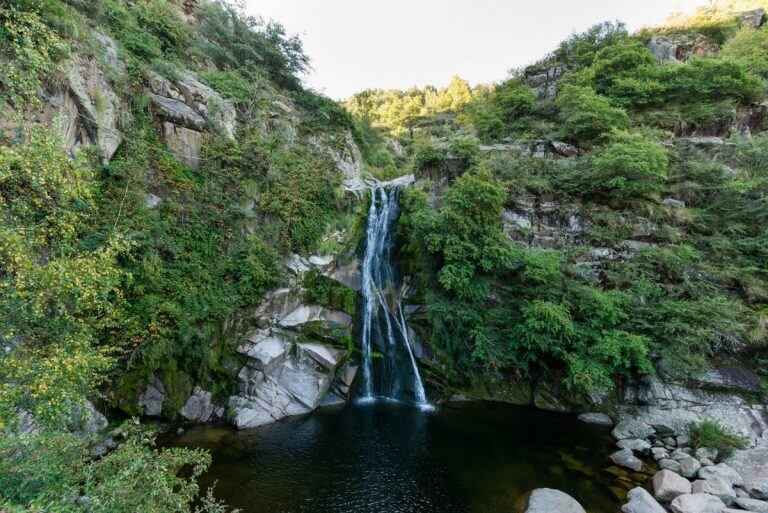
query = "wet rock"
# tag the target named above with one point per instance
(697, 503)
(198, 407)
(632, 428)
(717, 487)
(625, 458)
(640, 501)
(724, 472)
(600, 419)
(548, 500)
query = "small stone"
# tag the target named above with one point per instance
(670, 441)
(659, 453)
(689, 466)
(722, 471)
(640, 501)
(180, 431)
(635, 444)
(717, 487)
(706, 462)
(667, 485)
(678, 454)
(625, 458)
(683, 440)
(697, 503)
(97, 451)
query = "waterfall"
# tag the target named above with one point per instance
(392, 373)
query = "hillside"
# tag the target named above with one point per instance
(186, 237)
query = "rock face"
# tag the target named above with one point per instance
(674, 405)
(680, 47)
(640, 501)
(184, 110)
(547, 500)
(85, 110)
(544, 80)
(668, 485)
(285, 374)
(632, 428)
(752, 465)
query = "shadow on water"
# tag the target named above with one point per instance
(391, 458)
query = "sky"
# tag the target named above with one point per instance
(359, 44)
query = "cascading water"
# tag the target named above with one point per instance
(392, 372)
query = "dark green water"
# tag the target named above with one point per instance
(391, 458)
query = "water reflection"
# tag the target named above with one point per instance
(391, 457)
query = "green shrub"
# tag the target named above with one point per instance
(751, 47)
(513, 99)
(163, 21)
(630, 167)
(709, 433)
(586, 116)
(426, 156)
(28, 52)
(579, 50)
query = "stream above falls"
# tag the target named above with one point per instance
(390, 457)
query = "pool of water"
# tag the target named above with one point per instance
(391, 458)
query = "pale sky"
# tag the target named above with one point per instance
(356, 44)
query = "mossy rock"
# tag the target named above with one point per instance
(178, 388)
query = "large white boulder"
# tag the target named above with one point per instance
(668, 485)
(697, 503)
(717, 487)
(548, 500)
(640, 501)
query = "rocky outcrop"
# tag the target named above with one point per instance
(676, 404)
(289, 369)
(151, 399)
(84, 111)
(544, 80)
(548, 500)
(752, 465)
(680, 47)
(199, 407)
(752, 19)
(185, 109)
